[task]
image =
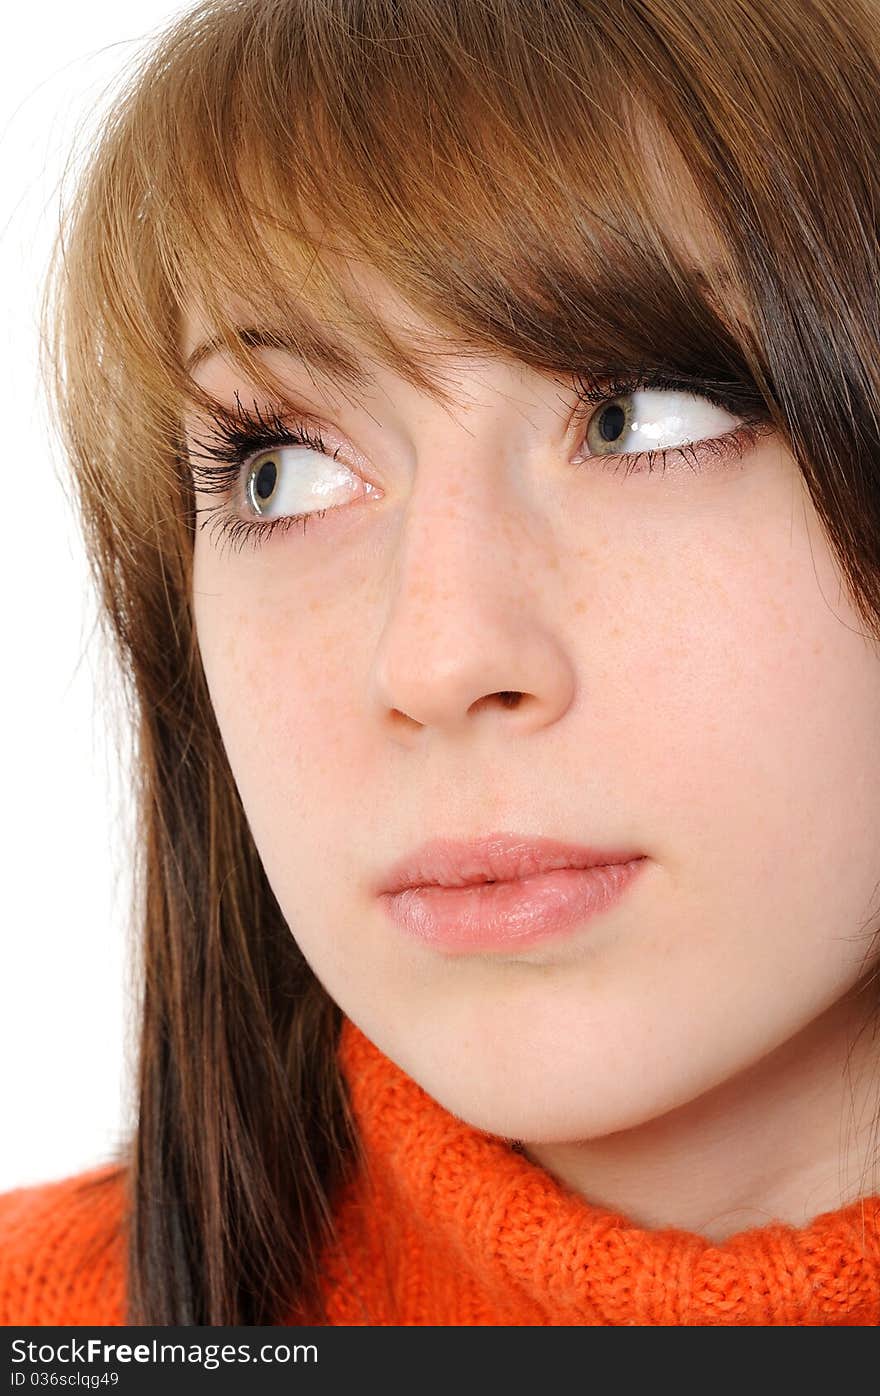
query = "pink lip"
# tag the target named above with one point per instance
(501, 891)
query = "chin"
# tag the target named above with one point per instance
(546, 1105)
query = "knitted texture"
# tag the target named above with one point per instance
(445, 1224)
(61, 1251)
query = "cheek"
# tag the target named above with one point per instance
(276, 674)
(761, 770)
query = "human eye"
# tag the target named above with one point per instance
(270, 473)
(644, 421)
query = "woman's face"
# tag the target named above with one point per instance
(696, 686)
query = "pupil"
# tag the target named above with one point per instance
(264, 481)
(611, 422)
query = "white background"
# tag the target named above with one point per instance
(66, 1034)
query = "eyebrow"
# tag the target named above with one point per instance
(255, 338)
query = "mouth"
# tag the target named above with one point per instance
(503, 891)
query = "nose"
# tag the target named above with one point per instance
(473, 610)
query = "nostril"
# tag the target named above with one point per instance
(508, 698)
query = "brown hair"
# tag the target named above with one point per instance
(497, 162)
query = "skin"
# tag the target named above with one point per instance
(686, 650)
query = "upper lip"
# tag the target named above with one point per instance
(493, 858)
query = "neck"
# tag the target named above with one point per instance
(785, 1140)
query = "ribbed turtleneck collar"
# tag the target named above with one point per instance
(481, 1235)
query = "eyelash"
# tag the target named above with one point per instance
(237, 437)
(240, 435)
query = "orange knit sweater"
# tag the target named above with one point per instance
(448, 1225)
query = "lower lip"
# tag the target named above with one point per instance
(509, 915)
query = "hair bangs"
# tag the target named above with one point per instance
(303, 152)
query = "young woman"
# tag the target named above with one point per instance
(475, 413)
